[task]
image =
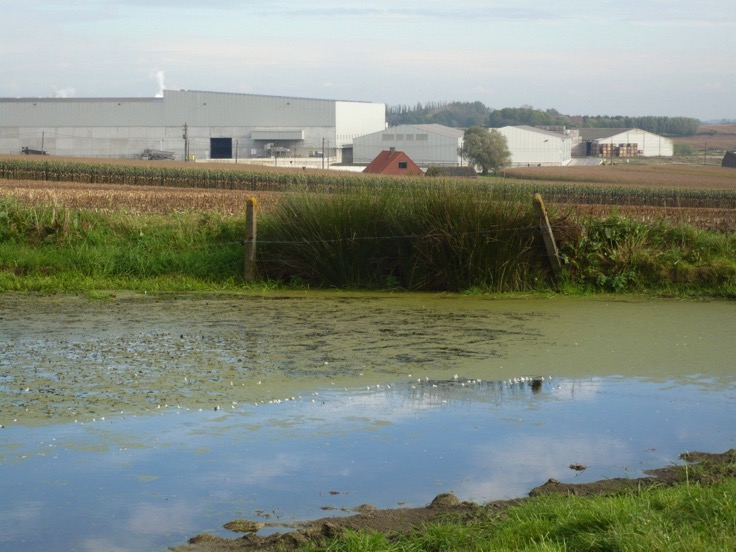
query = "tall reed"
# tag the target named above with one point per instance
(418, 237)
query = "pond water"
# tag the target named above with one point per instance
(137, 422)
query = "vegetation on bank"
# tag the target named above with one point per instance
(685, 518)
(432, 237)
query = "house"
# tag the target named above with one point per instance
(392, 162)
(531, 146)
(427, 145)
(729, 160)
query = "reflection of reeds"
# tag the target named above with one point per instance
(430, 237)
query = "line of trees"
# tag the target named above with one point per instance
(467, 114)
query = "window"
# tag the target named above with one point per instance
(403, 165)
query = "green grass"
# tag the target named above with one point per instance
(685, 518)
(433, 237)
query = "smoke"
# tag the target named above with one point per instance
(68, 92)
(159, 76)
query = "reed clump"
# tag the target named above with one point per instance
(428, 238)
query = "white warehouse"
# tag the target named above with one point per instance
(186, 125)
(622, 142)
(425, 144)
(536, 147)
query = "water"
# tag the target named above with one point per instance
(135, 424)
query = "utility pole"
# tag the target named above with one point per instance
(323, 153)
(186, 142)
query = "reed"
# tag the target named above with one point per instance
(418, 237)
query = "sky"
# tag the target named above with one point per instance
(581, 57)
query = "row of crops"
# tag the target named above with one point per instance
(275, 181)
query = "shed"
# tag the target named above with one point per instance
(392, 162)
(729, 160)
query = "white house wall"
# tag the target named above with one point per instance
(650, 145)
(536, 147)
(124, 127)
(425, 144)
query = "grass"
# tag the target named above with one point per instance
(429, 237)
(686, 518)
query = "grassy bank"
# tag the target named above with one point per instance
(429, 237)
(686, 518)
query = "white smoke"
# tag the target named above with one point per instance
(159, 76)
(68, 92)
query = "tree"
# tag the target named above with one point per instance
(486, 148)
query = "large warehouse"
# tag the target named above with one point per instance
(425, 144)
(534, 146)
(186, 125)
(622, 142)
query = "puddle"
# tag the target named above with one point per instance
(137, 423)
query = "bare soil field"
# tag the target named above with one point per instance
(634, 175)
(135, 199)
(712, 137)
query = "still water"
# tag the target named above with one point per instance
(135, 423)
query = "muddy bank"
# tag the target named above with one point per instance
(710, 468)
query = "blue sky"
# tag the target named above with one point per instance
(623, 57)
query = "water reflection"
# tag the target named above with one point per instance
(132, 483)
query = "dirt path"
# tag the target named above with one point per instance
(403, 520)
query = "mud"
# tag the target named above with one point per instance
(711, 467)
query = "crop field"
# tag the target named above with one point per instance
(134, 199)
(704, 196)
(712, 137)
(633, 176)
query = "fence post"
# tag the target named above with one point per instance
(250, 240)
(549, 239)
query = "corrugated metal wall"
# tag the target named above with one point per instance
(536, 147)
(120, 127)
(425, 144)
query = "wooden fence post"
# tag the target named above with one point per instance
(549, 239)
(250, 240)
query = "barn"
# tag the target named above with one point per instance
(622, 142)
(187, 124)
(426, 144)
(531, 146)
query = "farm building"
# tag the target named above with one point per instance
(395, 163)
(621, 142)
(536, 147)
(425, 144)
(186, 125)
(729, 160)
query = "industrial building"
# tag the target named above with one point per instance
(185, 124)
(621, 142)
(531, 146)
(425, 144)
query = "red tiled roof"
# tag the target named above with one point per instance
(394, 163)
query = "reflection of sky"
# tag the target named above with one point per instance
(150, 482)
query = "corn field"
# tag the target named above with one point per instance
(671, 187)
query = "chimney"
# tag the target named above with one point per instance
(391, 150)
